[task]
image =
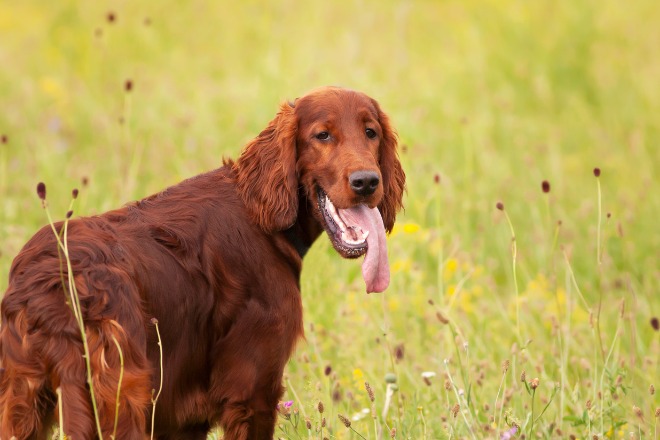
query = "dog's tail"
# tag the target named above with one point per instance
(41, 353)
(25, 399)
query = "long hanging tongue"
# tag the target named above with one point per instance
(375, 267)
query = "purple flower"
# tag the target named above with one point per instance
(508, 435)
(284, 405)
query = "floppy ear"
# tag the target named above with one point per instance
(266, 173)
(394, 179)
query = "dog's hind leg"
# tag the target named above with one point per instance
(25, 397)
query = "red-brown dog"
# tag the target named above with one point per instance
(216, 260)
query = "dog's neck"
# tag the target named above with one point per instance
(305, 230)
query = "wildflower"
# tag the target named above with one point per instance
(111, 17)
(69, 214)
(441, 318)
(505, 366)
(655, 323)
(393, 433)
(328, 370)
(399, 352)
(597, 172)
(455, 409)
(545, 186)
(41, 190)
(74, 193)
(336, 393)
(651, 390)
(500, 206)
(428, 374)
(507, 435)
(344, 420)
(534, 383)
(523, 376)
(320, 407)
(638, 411)
(284, 408)
(128, 85)
(370, 391)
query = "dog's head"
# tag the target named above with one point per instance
(339, 146)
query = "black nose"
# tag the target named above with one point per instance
(364, 183)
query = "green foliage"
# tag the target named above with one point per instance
(489, 99)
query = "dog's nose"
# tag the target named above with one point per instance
(364, 183)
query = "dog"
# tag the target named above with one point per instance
(202, 278)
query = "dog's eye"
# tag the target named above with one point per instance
(370, 133)
(323, 136)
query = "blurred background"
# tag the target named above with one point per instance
(490, 98)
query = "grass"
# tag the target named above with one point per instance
(490, 99)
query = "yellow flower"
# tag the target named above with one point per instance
(401, 265)
(450, 268)
(358, 378)
(411, 228)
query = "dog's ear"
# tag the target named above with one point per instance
(266, 173)
(394, 178)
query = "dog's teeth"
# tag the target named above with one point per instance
(365, 234)
(360, 237)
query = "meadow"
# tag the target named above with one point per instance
(537, 320)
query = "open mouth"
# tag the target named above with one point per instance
(356, 231)
(348, 239)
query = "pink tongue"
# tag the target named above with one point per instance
(375, 267)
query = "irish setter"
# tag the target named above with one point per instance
(216, 259)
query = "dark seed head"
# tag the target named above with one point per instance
(3, 139)
(41, 190)
(655, 323)
(436, 178)
(500, 206)
(154, 321)
(69, 214)
(399, 352)
(328, 370)
(111, 17)
(85, 181)
(344, 420)
(74, 193)
(545, 186)
(597, 172)
(128, 85)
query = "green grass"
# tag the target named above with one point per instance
(492, 97)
